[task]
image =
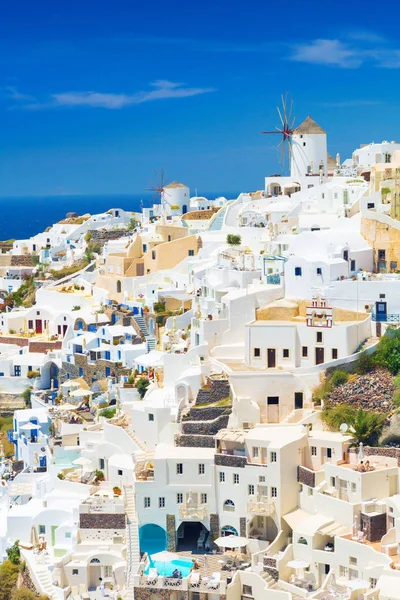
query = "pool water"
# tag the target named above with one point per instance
(152, 539)
(183, 565)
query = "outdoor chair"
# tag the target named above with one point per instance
(214, 582)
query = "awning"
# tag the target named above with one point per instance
(334, 528)
(293, 519)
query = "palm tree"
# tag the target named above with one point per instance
(364, 426)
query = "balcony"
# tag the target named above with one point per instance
(261, 505)
(193, 513)
(386, 317)
(306, 476)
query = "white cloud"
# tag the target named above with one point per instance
(161, 89)
(326, 52)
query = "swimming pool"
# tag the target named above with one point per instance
(152, 538)
(183, 565)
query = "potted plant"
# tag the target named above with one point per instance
(99, 476)
(117, 490)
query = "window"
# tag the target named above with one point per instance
(75, 571)
(201, 468)
(222, 477)
(101, 464)
(151, 417)
(235, 478)
(352, 265)
(313, 450)
(304, 144)
(169, 238)
(353, 561)
(304, 351)
(274, 492)
(153, 255)
(203, 498)
(179, 498)
(120, 472)
(68, 535)
(370, 205)
(119, 287)
(319, 271)
(310, 491)
(108, 571)
(303, 541)
(393, 265)
(247, 590)
(329, 452)
(42, 529)
(229, 505)
(297, 271)
(257, 352)
(273, 457)
(381, 254)
(345, 255)
(353, 488)
(161, 502)
(319, 337)
(334, 353)
(285, 353)
(179, 468)
(256, 451)
(333, 481)
(191, 252)
(251, 490)
(261, 479)
(146, 502)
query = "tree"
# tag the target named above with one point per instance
(8, 579)
(133, 223)
(233, 239)
(142, 386)
(26, 394)
(388, 351)
(365, 426)
(24, 593)
(14, 553)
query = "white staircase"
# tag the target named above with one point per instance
(132, 540)
(149, 337)
(44, 581)
(135, 439)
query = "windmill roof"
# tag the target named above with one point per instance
(175, 184)
(309, 126)
(331, 161)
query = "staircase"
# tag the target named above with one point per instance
(149, 337)
(43, 578)
(135, 439)
(132, 540)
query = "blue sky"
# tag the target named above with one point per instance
(96, 95)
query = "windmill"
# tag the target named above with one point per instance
(158, 188)
(286, 129)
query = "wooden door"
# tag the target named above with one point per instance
(319, 356)
(38, 326)
(271, 357)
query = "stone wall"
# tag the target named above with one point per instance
(148, 593)
(101, 236)
(207, 413)
(272, 572)
(305, 476)
(205, 427)
(98, 369)
(213, 391)
(101, 521)
(22, 260)
(194, 441)
(43, 347)
(379, 451)
(374, 526)
(171, 533)
(18, 341)
(68, 368)
(226, 460)
(242, 527)
(214, 528)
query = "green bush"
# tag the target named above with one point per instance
(233, 240)
(8, 579)
(26, 395)
(14, 553)
(142, 386)
(364, 426)
(108, 412)
(339, 378)
(99, 475)
(24, 593)
(364, 364)
(396, 399)
(33, 374)
(322, 391)
(388, 351)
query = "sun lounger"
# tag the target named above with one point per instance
(214, 582)
(195, 580)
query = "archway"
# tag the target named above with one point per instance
(274, 189)
(152, 538)
(192, 536)
(263, 528)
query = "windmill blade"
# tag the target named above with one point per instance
(280, 116)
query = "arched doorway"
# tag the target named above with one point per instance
(192, 536)
(152, 538)
(229, 530)
(263, 528)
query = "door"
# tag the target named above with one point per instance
(378, 329)
(271, 354)
(273, 409)
(53, 534)
(319, 356)
(38, 326)
(381, 311)
(298, 400)
(65, 327)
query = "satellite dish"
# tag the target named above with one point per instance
(344, 427)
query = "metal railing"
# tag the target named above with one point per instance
(386, 317)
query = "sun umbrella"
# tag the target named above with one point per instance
(83, 462)
(231, 541)
(164, 557)
(29, 427)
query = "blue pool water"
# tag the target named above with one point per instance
(152, 538)
(183, 565)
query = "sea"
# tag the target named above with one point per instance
(23, 217)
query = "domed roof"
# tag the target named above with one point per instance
(308, 126)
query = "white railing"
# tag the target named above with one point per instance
(261, 505)
(195, 513)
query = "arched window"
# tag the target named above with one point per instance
(229, 505)
(119, 287)
(228, 530)
(95, 561)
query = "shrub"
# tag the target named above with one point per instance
(24, 593)
(396, 399)
(14, 553)
(88, 236)
(117, 490)
(322, 391)
(99, 475)
(364, 364)
(108, 412)
(365, 426)
(159, 307)
(26, 395)
(8, 579)
(76, 307)
(388, 351)
(233, 239)
(33, 374)
(61, 476)
(339, 378)
(142, 386)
